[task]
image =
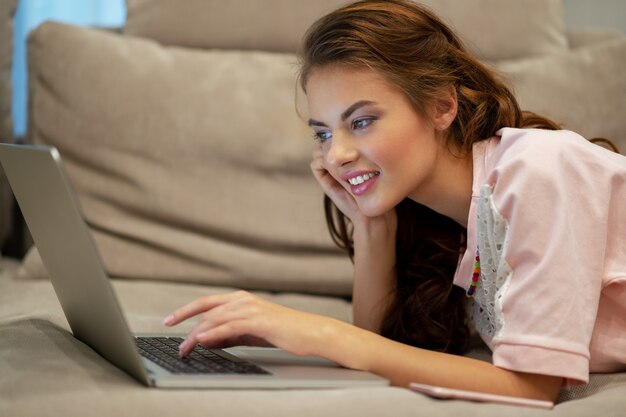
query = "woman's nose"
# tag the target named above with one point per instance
(342, 151)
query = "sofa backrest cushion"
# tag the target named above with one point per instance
(583, 90)
(189, 165)
(494, 29)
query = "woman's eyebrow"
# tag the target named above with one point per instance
(316, 123)
(354, 107)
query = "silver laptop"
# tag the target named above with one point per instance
(93, 312)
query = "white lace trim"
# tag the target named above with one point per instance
(485, 310)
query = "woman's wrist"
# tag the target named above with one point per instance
(345, 344)
(372, 230)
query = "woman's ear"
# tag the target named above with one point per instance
(445, 109)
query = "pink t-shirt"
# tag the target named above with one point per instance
(548, 215)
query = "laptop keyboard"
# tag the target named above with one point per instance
(164, 352)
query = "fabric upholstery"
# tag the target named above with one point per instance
(7, 10)
(189, 165)
(506, 29)
(43, 367)
(578, 38)
(495, 29)
(270, 25)
(584, 89)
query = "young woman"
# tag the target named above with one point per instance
(457, 208)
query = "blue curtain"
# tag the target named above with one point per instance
(30, 13)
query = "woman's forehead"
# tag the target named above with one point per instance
(337, 81)
(340, 87)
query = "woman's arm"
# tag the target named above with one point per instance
(403, 364)
(374, 248)
(242, 318)
(374, 270)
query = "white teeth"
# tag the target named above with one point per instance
(362, 178)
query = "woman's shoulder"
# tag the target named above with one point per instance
(540, 143)
(552, 153)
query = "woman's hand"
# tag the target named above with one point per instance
(332, 188)
(240, 318)
(374, 240)
(344, 201)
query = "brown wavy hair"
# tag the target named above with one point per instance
(414, 50)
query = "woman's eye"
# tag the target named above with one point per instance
(322, 136)
(362, 123)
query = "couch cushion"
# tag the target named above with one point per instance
(189, 165)
(584, 90)
(35, 340)
(578, 38)
(270, 25)
(7, 10)
(495, 29)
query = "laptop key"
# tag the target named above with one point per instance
(164, 352)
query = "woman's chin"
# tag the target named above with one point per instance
(374, 209)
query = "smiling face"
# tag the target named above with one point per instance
(373, 141)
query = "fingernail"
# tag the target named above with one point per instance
(168, 320)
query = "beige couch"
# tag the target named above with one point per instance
(7, 9)
(190, 161)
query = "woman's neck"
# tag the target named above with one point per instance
(449, 191)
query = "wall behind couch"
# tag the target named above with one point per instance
(30, 13)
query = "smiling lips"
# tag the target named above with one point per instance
(359, 184)
(360, 179)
